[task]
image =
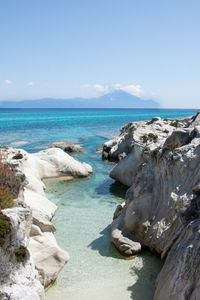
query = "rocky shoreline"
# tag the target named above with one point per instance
(39, 259)
(159, 161)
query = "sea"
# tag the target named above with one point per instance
(96, 270)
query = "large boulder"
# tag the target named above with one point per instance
(48, 257)
(162, 205)
(55, 162)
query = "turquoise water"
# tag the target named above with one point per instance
(43, 126)
(95, 270)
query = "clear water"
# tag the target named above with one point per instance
(42, 126)
(95, 270)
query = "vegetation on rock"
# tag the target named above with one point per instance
(149, 137)
(175, 123)
(21, 253)
(5, 228)
(9, 189)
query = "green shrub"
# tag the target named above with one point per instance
(174, 123)
(144, 138)
(9, 185)
(9, 190)
(150, 137)
(21, 253)
(153, 136)
(5, 228)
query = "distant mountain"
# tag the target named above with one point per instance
(117, 99)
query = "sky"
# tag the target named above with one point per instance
(73, 48)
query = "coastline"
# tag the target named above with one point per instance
(44, 258)
(122, 161)
(161, 209)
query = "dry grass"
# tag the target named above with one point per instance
(9, 190)
(9, 184)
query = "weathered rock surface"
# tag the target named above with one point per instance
(73, 148)
(162, 205)
(67, 147)
(99, 149)
(48, 257)
(18, 279)
(61, 145)
(31, 224)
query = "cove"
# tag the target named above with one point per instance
(96, 270)
(86, 207)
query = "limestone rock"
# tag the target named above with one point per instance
(48, 257)
(162, 205)
(73, 148)
(180, 276)
(32, 218)
(147, 134)
(61, 145)
(42, 222)
(126, 242)
(18, 277)
(55, 162)
(100, 148)
(67, 147)
(35, 230)
(195, 121)
(177, 139)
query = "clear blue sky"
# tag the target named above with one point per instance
(68, 48)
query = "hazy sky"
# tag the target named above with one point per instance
(69, 48)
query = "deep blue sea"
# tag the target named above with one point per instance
(95, 271)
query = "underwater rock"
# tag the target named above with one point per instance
(67, 147)
(73, 148)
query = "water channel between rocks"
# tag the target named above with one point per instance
(96, 270)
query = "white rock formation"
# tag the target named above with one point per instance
(31, 224)
(162, 205)
(18, 280)
(47, 256)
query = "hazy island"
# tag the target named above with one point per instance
(119, 99)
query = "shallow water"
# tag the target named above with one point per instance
(95, 269)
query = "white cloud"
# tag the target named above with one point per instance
(133, 89)
(104, 89)
(31, 83)
(96, 88)
(8, 81)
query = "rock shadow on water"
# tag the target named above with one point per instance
(144, 287)
(104, 246)
(111, 187)
(117, 189)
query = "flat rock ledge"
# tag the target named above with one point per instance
(67, 147)
(162, 205)
(32, 230)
